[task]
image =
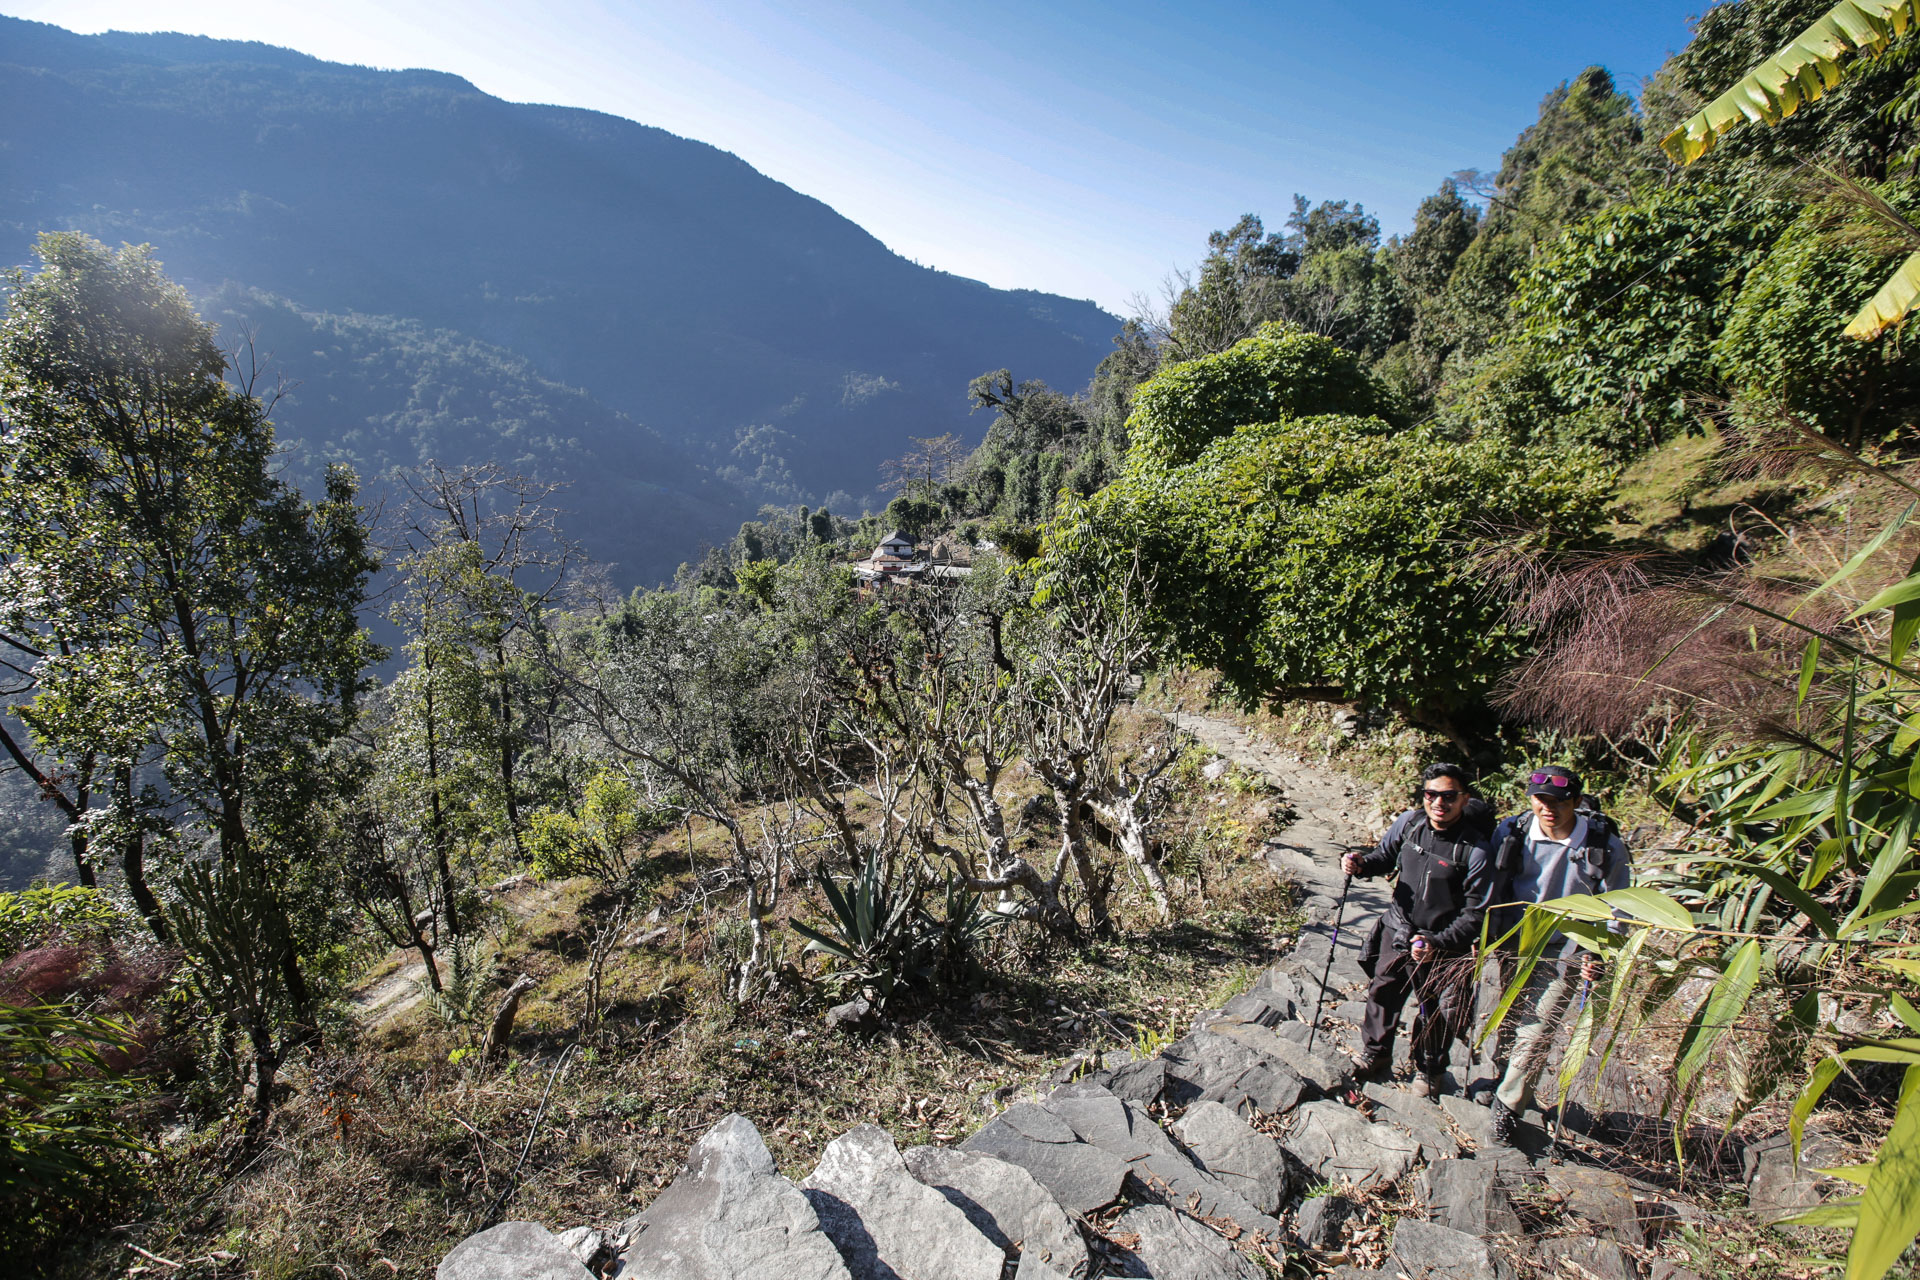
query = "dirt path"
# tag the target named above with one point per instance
(386, 998)
(1332, 811)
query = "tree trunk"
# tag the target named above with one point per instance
(436, 817)
(82, 796)
(1073, 839)
(508, 788)
(502, 1029)
(266, 1070)
(133, 857)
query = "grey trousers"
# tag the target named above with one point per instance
(1540, 1007)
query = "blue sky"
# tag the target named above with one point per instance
(1081, 148)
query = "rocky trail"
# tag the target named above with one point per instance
(1229, 1154)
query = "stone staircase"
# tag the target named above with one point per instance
(1231, 1153)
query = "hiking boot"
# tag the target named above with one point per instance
(1369, 1068)
(1504, 1122)
(1430, 1084)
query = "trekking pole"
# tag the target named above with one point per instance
(1333, 940)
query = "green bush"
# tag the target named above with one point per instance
(1329, 555)
(65, 1154)
(1784, 336)
(1278, 373)
(35, 915)
(1621, 313)
(601, 840)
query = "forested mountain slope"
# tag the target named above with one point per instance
(666, 278)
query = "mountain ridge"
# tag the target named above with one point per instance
(666, 278)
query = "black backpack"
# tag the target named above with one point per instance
(1596, 849)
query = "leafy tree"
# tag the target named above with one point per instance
(194, 611)
(597, 840)
(1236, 290)
(1277, 373)
(1801, 72)
(1582, 154)
(1785, 336)
(1622, 310)
(1853, 129)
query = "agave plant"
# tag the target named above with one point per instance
(879, 936)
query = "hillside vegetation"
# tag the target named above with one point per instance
(1584, 468)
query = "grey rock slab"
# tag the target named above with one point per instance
(1590, 1257)
(1171, 1246)
(1156, 1162)
(1081, 1177)
(1216, 1068)
(1236, 1153)
(1602, 1197)
(1252, 1006)
(511, 1251)
(1321, 1067)
(1468, 1196)
(1429, 1251)
(1420, 1117)
(1776, 1187)
(1139, 1082)
(729, 1216)
(1005, 1203)
(1032, 1268)
(1477, 1123)
(1281, 989)
(888, 1224)
(590, 1246)
(1321, 1222)
(1338, 1144)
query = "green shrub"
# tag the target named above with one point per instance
(1278, 373)
(601, 840)
(1329, 555)
(35, 915)
(65, 1154)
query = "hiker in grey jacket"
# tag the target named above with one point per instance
(1555, 851)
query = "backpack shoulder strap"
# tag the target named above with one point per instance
(1600, 833)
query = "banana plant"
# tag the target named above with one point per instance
(1812, 64)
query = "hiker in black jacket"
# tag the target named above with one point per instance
(1444, 862)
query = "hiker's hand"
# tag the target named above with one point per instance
(1350, 863)
(1422, 950)
(1590, 967)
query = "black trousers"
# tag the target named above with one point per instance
(1395, 978)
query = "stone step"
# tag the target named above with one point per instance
(1006, 1204)
(1420, 1118)
(1338, 1144)
(887, 1223)
(1080, 1177)
(1233, 1151)
(729, 1213)
(1169, 1245)
(1160, 1169)
(1210, 1067)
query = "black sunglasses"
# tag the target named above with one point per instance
(1444, 797)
